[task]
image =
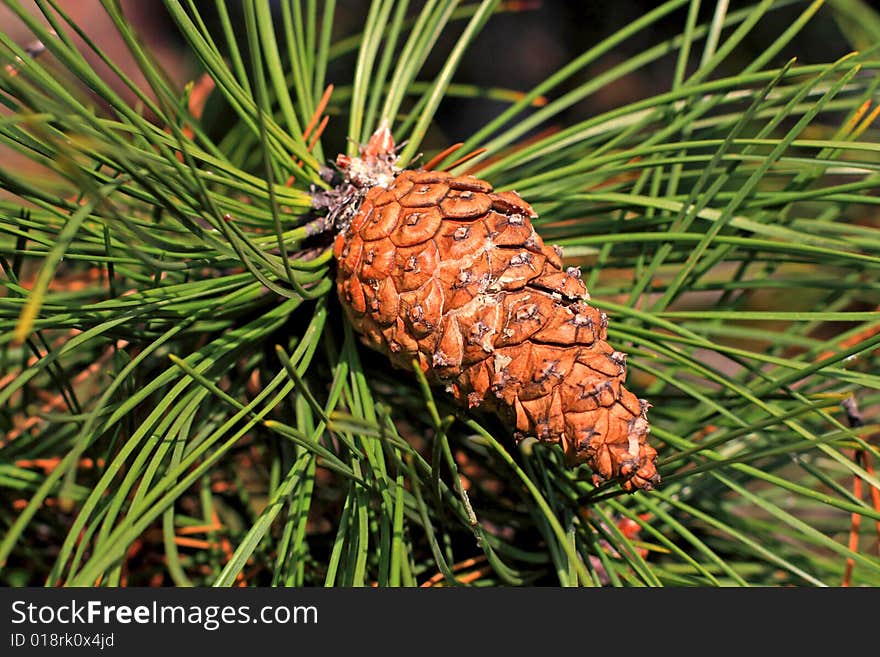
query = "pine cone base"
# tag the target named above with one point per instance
(447, 271)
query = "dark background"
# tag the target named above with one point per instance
(518, 50)
(515, 50)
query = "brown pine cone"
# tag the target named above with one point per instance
(445, 270)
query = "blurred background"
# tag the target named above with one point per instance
(522, 46)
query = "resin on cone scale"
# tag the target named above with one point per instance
(445, 270)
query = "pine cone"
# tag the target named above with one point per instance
(445, 270)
